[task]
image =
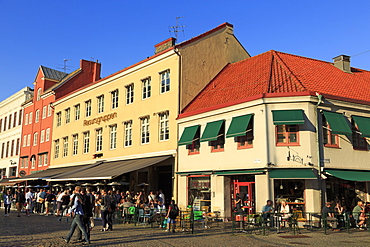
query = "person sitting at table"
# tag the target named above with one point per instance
(358, 214)
(161, 208)
(328, 215)
(266, 212)
(284, 210)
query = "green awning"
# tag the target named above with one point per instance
(238, 126)
(188, 135)
(351, 175)
(212, 130)
(292, 173)
(194, 173)
(237, 172)
(363, 123)
(287, 117)
(338, 123)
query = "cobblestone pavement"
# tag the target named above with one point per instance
(42, 231)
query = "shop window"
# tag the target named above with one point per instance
(287, 135)
(291, 191)
(199, 193)
(358, 142)
(219, 144)
(329, 139)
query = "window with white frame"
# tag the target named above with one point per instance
(165, 81)
(164, 129)
(44, 112)
(99, 140)
(59, 119)
(24, 140)
(15, 119)
(75, 144)
(38, 94)
(42, 136)
(128, 133)
(5, 123)
(49, 110)
(144, 130)
(37, 116)
(100, 103)
(68, 115)
(114, 96)
(88, 108)
(77, 112)
(86, 142)
(35, 138)
(33, 162)
(46, 159)
(10, 121)
(40, 159)
(26, 122)
(146, 87)
(56, 149)
(28, 140)
(130, 94)
(30, 119)
(65, 146)
(47, 134)
(113, 136)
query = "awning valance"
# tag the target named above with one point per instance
(238, 172)
(188, 135)
(211, 131)
(338, 123)
(292, 173)
(363, 124)
(238, 126)
(351, 175)
(287, 117)
(110, 170)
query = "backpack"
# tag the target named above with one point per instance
(174, 211)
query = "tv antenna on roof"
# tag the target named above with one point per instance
(178, 28)
(65, 66)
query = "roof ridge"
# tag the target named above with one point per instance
(287, 70)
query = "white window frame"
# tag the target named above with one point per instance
(59, 119)
(164, 128)
(88, 108)
(40, 160)
(45, 159)
(146, 88)
(128, 134)
(99, 140)
(33, 162)
(42, 136)
(165, 85)
(24, 141)
(28, 140)
(65, 146)
(113, 136)
(56, 149)
(35, 138)
(77, 112)
(129, 94)
(75, 144)
(145, 134)
(44, 112)
(30, 118)
(86, 142)
(37, 116)
(26, 121)
(100, 101)
(47, 135)
(67, 115)
(114, 97)
(49, 110)
(38, 94)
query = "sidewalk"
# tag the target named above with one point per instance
(37, 230)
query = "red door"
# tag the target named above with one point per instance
(246, 192)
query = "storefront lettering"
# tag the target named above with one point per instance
(98, 120)
(199, 184)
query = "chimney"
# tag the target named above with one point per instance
(342, 62)
(164, 45)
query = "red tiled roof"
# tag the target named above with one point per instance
(279, 73)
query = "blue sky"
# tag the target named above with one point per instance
(120, 33)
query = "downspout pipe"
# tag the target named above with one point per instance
(318, 147)
(176, 165)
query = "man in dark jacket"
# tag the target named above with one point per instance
(19, 201)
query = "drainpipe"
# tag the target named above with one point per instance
(318, 147)
(176, 165)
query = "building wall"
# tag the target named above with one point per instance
(151, 107)
(11, 108)
(203, 58)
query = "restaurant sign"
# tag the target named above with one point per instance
(100, 119)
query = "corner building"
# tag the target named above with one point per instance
(123, 128)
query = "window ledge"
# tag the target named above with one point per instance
(287, 144)
(245, 147)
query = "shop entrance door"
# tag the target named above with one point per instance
(246, 192)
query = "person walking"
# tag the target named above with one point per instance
(77, 213)
(7, 202)
(29, 201)
(173, 212)
(19, 201)
(105, 206)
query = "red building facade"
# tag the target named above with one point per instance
(38, 113)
